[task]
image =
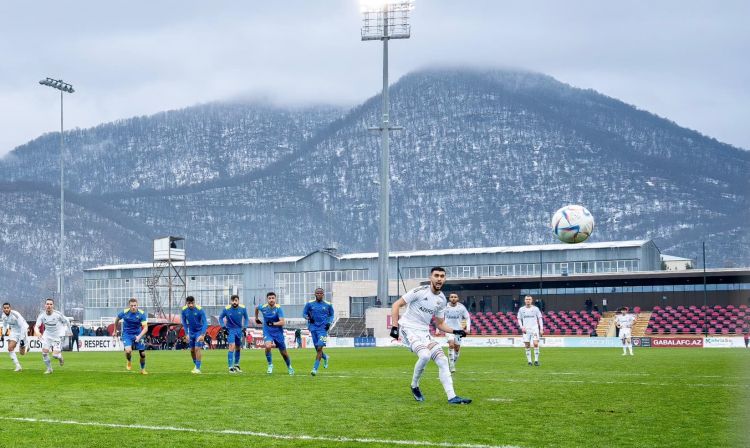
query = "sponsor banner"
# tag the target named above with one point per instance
(591, 342)
(34, 345)
(334, 342)
(471, 341)
(86, 344)
(641, 342)
(364, 342)
(100, 344)
(724, 342)
(550, 342)
(676, 342)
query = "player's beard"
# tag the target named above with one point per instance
(436, 287)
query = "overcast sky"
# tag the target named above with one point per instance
(681, 59)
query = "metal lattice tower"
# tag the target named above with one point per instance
(168, 276)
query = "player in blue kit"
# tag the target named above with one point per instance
(319, 315)
(273, 330)
(234, 319)
(134, 327)
(195, 324)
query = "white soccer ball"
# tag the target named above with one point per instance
(572, 224)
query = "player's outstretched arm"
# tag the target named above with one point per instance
(440, 323)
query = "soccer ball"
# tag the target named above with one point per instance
(572, 224)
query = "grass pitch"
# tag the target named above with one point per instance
(578, 397)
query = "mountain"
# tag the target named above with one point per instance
(484, 159)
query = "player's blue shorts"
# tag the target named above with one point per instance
(128, 340)
(234, 336)
(277, 337)
(193, 341)
(319, 337)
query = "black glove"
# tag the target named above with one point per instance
(460, 333)
(394, 332)
(310, 319)
(328, 327)
(271, 324)
(257, 321)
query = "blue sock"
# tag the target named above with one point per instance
(325, 356)
(198, 365)
(143, 364)
(316, 365)
(230, 356)
(236, 357)
(288, 362)
(268, 358)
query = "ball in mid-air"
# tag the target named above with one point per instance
(572, 224)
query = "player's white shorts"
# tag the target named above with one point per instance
(17, 336)
(54, 343)
(531, 334)
(452, 337)
(625, 332)
(415, 339)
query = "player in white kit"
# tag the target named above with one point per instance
(422, 304)
(456, 316)
(624, 322)
(532, 327)
(55, 325)
(15, 327)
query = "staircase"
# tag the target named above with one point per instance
(348, 327)
(639, 327)
(606, 325)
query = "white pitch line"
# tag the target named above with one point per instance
(324, 377)
(233, 432)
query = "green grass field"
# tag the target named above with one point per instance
(577, 398)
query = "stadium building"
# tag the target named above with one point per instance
(352, 275)
(489, 280)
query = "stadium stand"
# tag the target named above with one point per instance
(557, 323)
(716, 319)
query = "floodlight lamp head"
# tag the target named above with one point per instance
(380, 5)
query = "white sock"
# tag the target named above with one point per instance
(528, 354)
(13, 357)
(630, 347)
(452, 355)
(455, 357)
(57, 355)
(424, 358)
(444, 373)
(45, 357)
(624, 349)
(536, 353)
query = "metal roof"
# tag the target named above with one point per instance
(400, 254)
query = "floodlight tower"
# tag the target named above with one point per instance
(63, 87)
(385, 20)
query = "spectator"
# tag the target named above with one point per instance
(378, 303)
(593, 333)
(589, 305)
(604, 304)
(482, 304)
(207, 341)
(100, 331)
(75, 331)
(171, 338)
(298, 337)
(516, 305)
(596, 308)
